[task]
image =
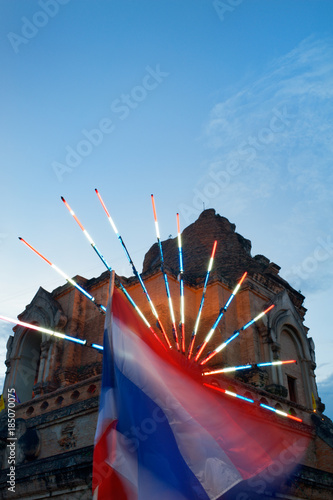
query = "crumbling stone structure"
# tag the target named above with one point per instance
(58, 383)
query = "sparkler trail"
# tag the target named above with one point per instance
(173, 321)
(282, 413)
(247, 367)
(123, 289)
(196, 326)
(248, 400)
(229, 393)
(143, 286)
(64, 275)
(235, 334)
(87, 235)
(50, 332)
(181, 285)
(218, 319)
(179, 344)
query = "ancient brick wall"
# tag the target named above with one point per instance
(64, 407)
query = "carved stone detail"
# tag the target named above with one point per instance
(278, 390)
(68, 437)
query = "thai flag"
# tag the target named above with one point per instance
(16, 397)
(162, 435)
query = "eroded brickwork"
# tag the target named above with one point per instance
(64, 379)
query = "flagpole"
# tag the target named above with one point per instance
(111, 288)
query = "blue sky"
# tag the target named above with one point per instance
(225, 105)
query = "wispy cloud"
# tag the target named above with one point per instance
(269, 148)
(298, 84)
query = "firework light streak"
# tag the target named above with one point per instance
(248, 400)
(246, 367)
(196, 326)
(229, 393)
(64, 275)
(87, 235)
(181, 287)
(166, 282)
(218, 319)
(235, 334)
(50, 332)
(181, 345)
(282, 413)
(123, 289)
(143, 286)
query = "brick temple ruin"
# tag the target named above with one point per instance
(58, 383)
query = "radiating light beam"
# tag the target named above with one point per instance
(123, 289)
(65, 276)
(96, 346)
(86, 234)
(228, 369)
(73, 215)
(282, 413)
(181, 287)
(217, 321)
(196, 325)
(166, 282)
(229, 393)
(235, 334)
(276, 363)
(248, 400)
(43, 330)
(256, 318)
(246, 367)
(143, 286)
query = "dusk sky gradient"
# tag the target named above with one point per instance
(203, 105)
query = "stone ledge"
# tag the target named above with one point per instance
(324, 428)
(66, 411)
(51, 474)
(315, 476)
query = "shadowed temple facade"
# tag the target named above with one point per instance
(58, 382)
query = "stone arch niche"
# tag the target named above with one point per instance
(31, 355)
(289, 341)
(294, 377)
(27, 367)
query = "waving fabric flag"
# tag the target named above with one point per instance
(162, 435)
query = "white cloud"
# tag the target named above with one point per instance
(278, 129)
(268, 167)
